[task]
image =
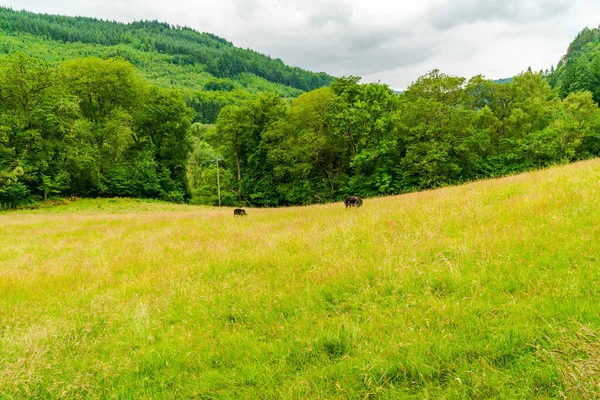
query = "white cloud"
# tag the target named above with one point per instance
(391, 41)
(447, 14)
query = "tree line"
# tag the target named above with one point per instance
(579, 69)
(56, 39)
(184, 46)
(91, 127)
(364, 139)
(95, 127)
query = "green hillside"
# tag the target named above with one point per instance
(363, 139)
(171, 56)
(579, 68)
(89, 109)
(487, 290)
(90, 106)
(503, 80)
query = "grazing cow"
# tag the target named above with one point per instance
(239, 212)
(353, 201)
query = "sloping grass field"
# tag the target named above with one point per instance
(486, 290)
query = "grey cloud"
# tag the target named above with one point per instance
(368, 38)
(355, 50)
(314, 13)
(448, 14)
(395, 41)
(327, 35)
(334, 12)
(383, 58)
(248, 9)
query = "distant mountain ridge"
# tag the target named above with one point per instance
(146, 42)
(579, 69)
(503, 80)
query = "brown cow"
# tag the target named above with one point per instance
(353, 201)
(239, 212)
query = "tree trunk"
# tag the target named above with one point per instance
(237, 158)
(218, 183)
(351, 137)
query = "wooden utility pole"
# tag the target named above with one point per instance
(218, 183)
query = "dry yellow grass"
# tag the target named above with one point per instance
(460, 292)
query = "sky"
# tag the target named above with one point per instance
(393, 42)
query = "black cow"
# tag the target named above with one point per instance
(353, 201)
(239, 212)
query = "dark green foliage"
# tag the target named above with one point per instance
(363, 139)
(503, 80)
(181, 46)
(224, 85)
(208, 105)
(210, 71)
(95, 127)
(584, 37)
(90, 127)
(579, 69)
(12, 192)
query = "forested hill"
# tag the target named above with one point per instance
(579, 68)
(145, 43)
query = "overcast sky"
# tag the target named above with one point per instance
(394, 42)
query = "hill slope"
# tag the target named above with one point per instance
(170, 55)
(579, 68)
(487, 290)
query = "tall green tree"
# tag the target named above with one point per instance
(36, 114)
(309, 161)
(239, 138)
(162, 125)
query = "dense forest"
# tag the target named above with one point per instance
(364, 139)
(579, 69)
(185, 46)
(210, 71)
(90, 127)
(76, 118)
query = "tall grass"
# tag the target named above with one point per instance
(487, 290)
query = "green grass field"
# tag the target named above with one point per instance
(486, 290)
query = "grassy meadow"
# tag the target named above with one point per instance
(486, 290)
